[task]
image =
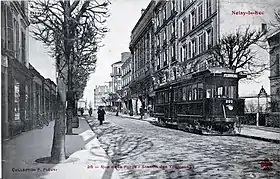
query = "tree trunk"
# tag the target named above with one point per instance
(58, 147)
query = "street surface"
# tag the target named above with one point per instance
(142, 150)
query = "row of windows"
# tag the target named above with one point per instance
(196, 16)
(142, 51)
(126, 81)
(162, 58)
(197, 45)
(12, 36)
(197, 92)
(167, 34)
(165, 12)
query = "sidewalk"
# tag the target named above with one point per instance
(260, 132)
(84, 152)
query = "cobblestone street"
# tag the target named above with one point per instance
(142, 150)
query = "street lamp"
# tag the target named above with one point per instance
(262, 93)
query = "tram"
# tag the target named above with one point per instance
(204, 102)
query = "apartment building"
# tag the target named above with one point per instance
(141, 47)
(274, 43)
(126, 79)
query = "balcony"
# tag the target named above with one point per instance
(115, 74)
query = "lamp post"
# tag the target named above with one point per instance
(262, 93)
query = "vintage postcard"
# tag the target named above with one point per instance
(140, 89)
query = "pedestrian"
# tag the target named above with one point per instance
(101, 115)
(90, 111)
(82, 111)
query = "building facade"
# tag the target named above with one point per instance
(126, 79)
(26, 95)
(274, 42)
(141, 47)
(15, 75)
(101, 93)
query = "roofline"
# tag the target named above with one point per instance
(273, 34)
(143, 15)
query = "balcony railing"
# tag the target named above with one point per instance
(115, 74)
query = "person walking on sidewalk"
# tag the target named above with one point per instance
(90, 111)
(101, 115)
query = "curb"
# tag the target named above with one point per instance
(259, 138)
(86, 119)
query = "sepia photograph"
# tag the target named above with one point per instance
(140, 89)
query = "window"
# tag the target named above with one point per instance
(165, 57)
(3, 25)
(210, 38)
(175, 95)
(10, 30)
(164, 13)
(173, 28)
(193, 48)
(17, 100)
(181, 53)
(172, 5)
(209, 93)
(189, 93)
(17, 32)
(184, 26)
(164, 35)
(220, 92)
(184, 95)
(230, 91)
(200, 13)
(277, 65)
(193, 19)
(190, 50)
(23, 49)
(200, 90)
(200, 44)
(194, 93)
(208, 8)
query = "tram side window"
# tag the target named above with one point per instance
(175, 95)
(220, 92)
(184, 97)
(189, 93)
(194, 93)
(166, 97)
(209, 93)
(200, 90)
(179, 94)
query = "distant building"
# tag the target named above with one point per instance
(126, 79)
(101, 93)
(116, 76)
(273, 39)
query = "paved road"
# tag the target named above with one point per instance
(142, 150)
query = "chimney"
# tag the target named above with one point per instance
(142, 11)
(264, 27)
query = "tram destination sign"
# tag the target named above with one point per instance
(228, 75)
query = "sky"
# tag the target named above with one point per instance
(124, 16)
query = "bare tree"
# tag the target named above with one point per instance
(72, 31)
(239, 51)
